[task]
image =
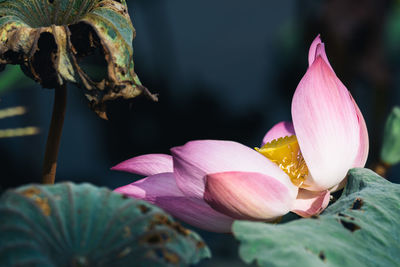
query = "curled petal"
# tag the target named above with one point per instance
(317, 48)
(196, 159)
(313, 49)
(161, 190)
(146, 165)
(310, 203)
(248, 195)
(281, 129)
(326, 124)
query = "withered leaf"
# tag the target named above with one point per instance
(50, 39)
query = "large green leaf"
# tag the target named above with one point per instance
(360, 229)
(390, 152)
(52, 40)
(82, 225)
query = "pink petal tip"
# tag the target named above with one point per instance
(146, 165)
(281, 129)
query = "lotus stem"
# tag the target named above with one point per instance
(381, 168)
(54, 136)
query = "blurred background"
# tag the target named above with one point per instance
(223, 70)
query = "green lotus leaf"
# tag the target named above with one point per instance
(52, 39)
(359, 229)
(390, 153)
(83, 225)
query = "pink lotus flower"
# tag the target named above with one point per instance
(210, 183)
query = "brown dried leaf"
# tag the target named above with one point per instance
(52, 40)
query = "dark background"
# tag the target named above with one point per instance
(223, 70)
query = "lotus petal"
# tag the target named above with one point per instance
(363, 149)
(310, 203)
(326, 124)
(248, 195)
(146, 165)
